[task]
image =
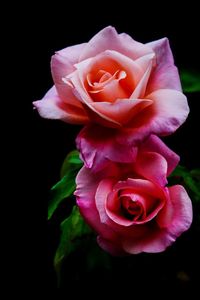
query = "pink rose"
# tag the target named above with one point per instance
(116, 82)
(129, 205)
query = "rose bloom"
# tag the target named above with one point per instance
(119, 83)
(129, 205)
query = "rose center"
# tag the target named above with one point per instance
(104, 85)
(101, 78)
(131, 208)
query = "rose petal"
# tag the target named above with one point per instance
(102, 192)
(152, 241)
(98, 149)
(171, 110)
(85, 194)
(152, 166)
(168, 111)
(165, 75)
(182, 211)
(108, 38)
(155, 144)
(122, 111)
(139, 185)
(146, 63)
(72, 53)
(60, 67)
(51, 107)
(132, 48)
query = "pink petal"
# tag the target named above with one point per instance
(171, 110)
(60, 68)
(153, 241)
(165, 74)
(62, 63)
(168, 111)
(51, 107)
(87, 181)
(146, 63)
(72, 53)
(152, 166)
(165, 217)
(139, 185)
(182, 211)
(98, 149)
(155, 144)
(102, 192)
(108, 38)
(85, 198)
(132, 48)
(121, 111)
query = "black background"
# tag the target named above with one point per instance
(53, 27)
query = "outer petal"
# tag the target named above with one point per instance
(168, 111)
(51, 107)
(98, 145)
(61, 66)
(85, 195)
(153, 241)
(152, 166)
(155, 144)
(72, 53)
(62, 63)
(171, 110)
(182, 211)
(108, 38)
(165, 74)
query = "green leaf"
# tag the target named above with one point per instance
(190, 81)
(61, 190)
(72, 160)
(179, 171)
(190, 180)
(73, 231)
(97, 258)
(66, 186)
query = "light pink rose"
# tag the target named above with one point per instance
(116, 82)
(129, 205)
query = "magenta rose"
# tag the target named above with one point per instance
(116, 82)
(129, 205)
